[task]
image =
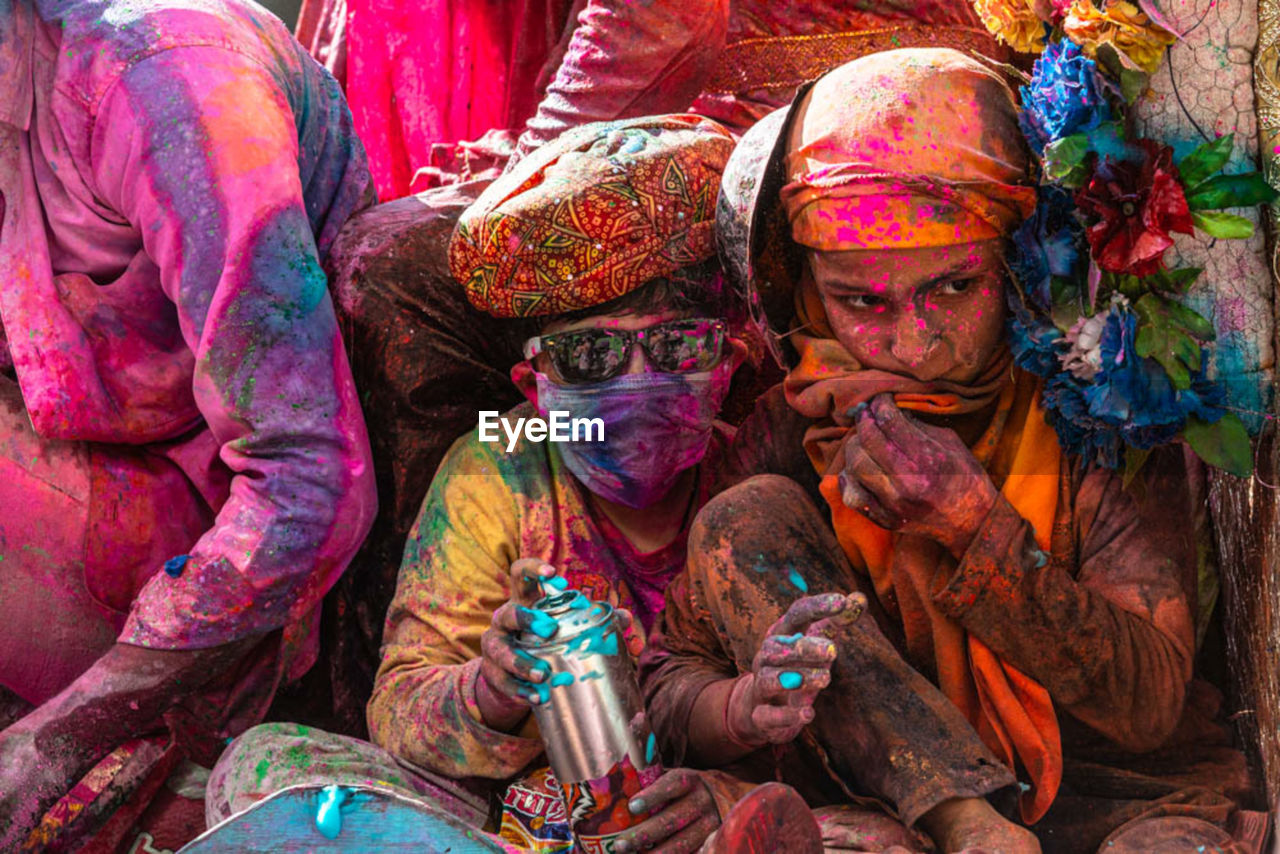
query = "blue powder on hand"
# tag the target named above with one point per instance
(790, 680)
(534, 692)
(556, 583)
(540, 623)
(789, 640)
(329, 813)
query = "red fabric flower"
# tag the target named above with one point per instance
(1137, 203)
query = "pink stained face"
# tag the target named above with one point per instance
(934, 313)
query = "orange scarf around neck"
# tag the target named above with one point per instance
(1011, 712)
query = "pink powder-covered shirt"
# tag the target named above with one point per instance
(171, 175)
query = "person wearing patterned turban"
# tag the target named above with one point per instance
(605, 238)
(1050, 610)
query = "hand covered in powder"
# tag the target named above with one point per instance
(30, 783)
(510, 676)
(774, 702)
(682, 811)
(502, 692)
(915, 478)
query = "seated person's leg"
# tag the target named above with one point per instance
(754, 551)
(274, 756)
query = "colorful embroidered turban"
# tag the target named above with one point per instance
(905, 149)
(592, 216)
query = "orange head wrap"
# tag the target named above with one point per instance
(904, 149)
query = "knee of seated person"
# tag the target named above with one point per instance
(752, 513)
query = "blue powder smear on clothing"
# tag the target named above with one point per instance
(329, 813)
(794, 578)
(561, 679)
(541, 624)
(789, 640)
(650, 749)
(790, 680)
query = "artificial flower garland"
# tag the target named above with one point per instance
(1096, 311)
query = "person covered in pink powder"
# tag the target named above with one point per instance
(184, 468)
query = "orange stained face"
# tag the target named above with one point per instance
(933, 313)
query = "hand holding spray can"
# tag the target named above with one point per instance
(588, 712)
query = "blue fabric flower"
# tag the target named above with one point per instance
(1130, 402)
(1035, 342)
(1049, 243)
(1063, 98)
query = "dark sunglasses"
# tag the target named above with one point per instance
(595, 355)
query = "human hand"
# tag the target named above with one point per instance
(772, 703)
(913, 477)
(682, 815)
(503, 691)
(508, 674)
(31, 781)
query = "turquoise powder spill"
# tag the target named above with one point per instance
(794, 578)
(329, 813)
(650, 749)
(561, 679)
(790, 680)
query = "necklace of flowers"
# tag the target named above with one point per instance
(1096, 310)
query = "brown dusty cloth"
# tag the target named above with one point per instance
(1103, 661)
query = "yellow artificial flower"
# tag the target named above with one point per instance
(1013, 22)
(1122, 25)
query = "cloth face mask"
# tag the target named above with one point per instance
(656, 425)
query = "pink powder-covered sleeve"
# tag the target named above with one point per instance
(198, 147)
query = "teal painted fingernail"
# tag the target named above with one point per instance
(1041, 558)
(556, 583)
(858, 410)
(636, 805)
(790, 680)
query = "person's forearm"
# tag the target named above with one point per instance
(1114, 669)
(123, 695)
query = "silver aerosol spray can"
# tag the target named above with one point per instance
(598, 747)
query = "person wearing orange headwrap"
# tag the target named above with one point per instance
(1050, 607)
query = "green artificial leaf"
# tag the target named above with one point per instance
(1223, 444)
(1176, 281)
(1231, 191)
(1171, 334)
(1134, 460)
(1224, 225)
(1205, 160)
(1064, 160)
(1124, 283)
